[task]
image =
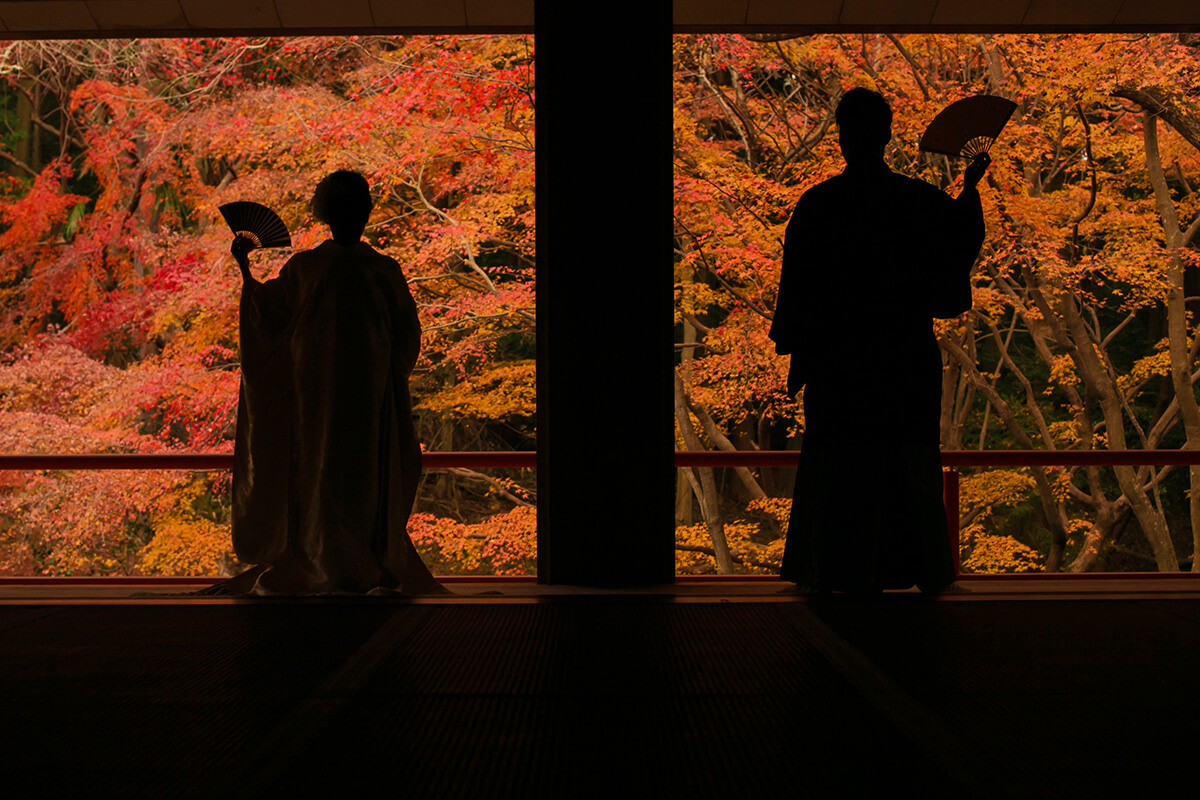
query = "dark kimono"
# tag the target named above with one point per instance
(870, 258)
(326, 458)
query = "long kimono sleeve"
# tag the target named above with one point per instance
(787, 322)
(404, 464)
(262, 448)
(408, 331)
(962, 234)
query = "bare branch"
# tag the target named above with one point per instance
(498, 486)
(21, 165)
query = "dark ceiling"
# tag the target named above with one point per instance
(89, 18)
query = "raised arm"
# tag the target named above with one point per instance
(263, 303)
(241, 248)
(971, 208)
(974, 172)
(964, 232)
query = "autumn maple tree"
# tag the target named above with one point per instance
(118, 299)
(1082, 333)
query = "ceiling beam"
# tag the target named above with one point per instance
(35, 19)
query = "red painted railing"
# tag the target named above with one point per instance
(959, 458)
(525, 459)
(951, 460)
(219, 461)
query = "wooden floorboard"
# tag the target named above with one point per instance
(731, 692)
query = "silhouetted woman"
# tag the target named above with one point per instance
(870, 258)
(326, 459)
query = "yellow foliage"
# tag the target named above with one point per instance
(508, 390)
(1078, 526)
(989, 554)
(773, 552)
(778, 508)
(695, 299)
(1064, 432)
(1158, 364)
(983, 550)
(184, 542)
(997, 487)
(184, 545)
(688, 562)
(1062, 371)
(748, 555)
(1062, 486)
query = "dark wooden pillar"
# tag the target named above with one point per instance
(604, 293)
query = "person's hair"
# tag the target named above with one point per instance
(864, 115)
(343, 202)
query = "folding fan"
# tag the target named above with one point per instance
(257, 223)
(969, 126)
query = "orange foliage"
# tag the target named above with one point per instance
(503, 544)
(1066, 271)
(119, 301)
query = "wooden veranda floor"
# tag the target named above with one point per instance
(717, 689)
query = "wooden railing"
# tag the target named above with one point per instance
(952, 460)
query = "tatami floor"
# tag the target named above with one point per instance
(1020, 688)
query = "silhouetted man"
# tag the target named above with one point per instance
(326, 459)
(870, 258)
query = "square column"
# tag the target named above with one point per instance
(605, 350)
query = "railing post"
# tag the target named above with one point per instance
(950, 498)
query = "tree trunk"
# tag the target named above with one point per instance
(1050, 504)
(683, 491)
(1177, 333)
(1096, 375)
(23, 146)
(1097, 536)
(704, 486)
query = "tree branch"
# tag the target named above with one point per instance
(495, 484)
(912, 64)
(755, 307)
(741, 558)
(1160, 104)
